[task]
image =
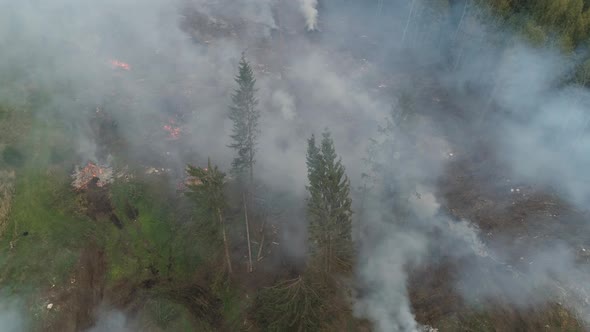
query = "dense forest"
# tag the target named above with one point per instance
(309, 165)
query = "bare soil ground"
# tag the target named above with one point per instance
(476, 188)
(73, 305)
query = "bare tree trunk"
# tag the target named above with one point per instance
(225, 242)
(281, 39)
(460, 25)
(329, 254)
(247, 233)
(488, 104)
(458, 59)
(259, 255)
(408, 22)
(251, 164)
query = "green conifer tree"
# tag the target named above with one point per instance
(245, 118)
(329, 208)
(206, 188)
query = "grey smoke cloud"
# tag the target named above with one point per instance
(284, 102)
(112, 320)
(540, 133)
(66, 46)
(552, 145)
(384, 268)
(11, 316)
(310, 12)
(544, 141)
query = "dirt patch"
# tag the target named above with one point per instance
(432, 294)
(89, 294)
(73, 306)
(98, 204)
(131, 211)
(7, 179)
(477, 188)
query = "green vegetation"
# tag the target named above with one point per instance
(564, 24)
(305, 303)
(14, 122)
(44, 219)
(13, 157)
(176, 259)
(329, 208)
(206, 188)
(244, 116)
(43, 223)
(291, 305)
(567, 20)
(48, 227)
(150, 244)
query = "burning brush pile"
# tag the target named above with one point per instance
(83, 176)
(173, 129)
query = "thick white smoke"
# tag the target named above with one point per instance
(11, 318)
(111, 321)
(310, 12)
(319, 89)
(284, 102)
(386, 301)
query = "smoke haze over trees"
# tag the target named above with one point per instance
(452, 188)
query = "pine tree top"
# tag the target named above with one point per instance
(329, 207)
(328, 150)
(245, 77)
(326, 174)
(245, 116)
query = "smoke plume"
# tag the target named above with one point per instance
(11, 316)
(310, 12)
(480, 85)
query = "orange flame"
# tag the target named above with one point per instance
(173, 131)
(121, 65)
(93, 170)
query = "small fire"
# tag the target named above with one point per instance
(83, 176)
(120, 65)
(173, 130)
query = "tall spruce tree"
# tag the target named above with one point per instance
(206, 188)
(245, 118)
(329, 208)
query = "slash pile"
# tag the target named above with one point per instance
(83, 176)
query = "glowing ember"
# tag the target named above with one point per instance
(173, 130)
(120, 65)
(83, 176)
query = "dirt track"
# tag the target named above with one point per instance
(74, 305)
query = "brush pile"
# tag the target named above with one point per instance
(83, 176)
(188, 182)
